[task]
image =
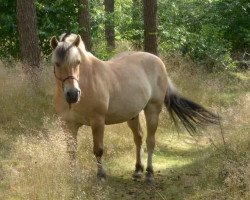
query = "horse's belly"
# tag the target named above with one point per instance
(121, 116)
(121, 110)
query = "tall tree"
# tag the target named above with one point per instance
(28, 35)
(150, 26)
(109, 23)
(84, 23)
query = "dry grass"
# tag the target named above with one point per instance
(34, 163)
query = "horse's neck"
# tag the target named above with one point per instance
(91, 65)
(82, 47)
(88, 59)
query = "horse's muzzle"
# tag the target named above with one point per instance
(73, 95)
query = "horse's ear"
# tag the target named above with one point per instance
(53, 42)
(77, 40)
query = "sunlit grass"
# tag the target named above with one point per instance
(34, 163)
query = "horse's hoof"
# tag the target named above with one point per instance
(149, 179)
(138, 171)
(102, 179)
(137, 174)
(101, 175)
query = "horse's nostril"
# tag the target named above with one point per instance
(72, 95)
(69, 95)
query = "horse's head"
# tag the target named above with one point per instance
(66, 58)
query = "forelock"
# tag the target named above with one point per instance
(62, 50)
(66, 53)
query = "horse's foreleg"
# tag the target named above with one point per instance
(71, 130)
(134, 125)
(152, 117)
(97, 126)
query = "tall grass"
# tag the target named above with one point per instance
(214, 164)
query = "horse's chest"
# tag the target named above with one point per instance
(75, 113)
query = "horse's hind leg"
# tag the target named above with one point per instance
(152, 112)
(134, 125)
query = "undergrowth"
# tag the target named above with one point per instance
(214, 164)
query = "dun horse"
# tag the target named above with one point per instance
(96, 93)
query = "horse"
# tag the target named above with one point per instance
(96, 93)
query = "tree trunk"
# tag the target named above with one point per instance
(109, 23)
(150, 26)
(84, 23)
(28, 36)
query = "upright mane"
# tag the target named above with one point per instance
(66, 52)
(70, 38)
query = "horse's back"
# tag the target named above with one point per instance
(145, 65)
(122, 55)
(127, 55)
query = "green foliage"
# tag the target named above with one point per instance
(9, 46)
(55, 19)
(233, 17)
(209, 31)
(129, 22)
(97, 21)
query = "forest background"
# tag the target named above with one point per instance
(214, 32)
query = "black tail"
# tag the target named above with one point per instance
(191, 114)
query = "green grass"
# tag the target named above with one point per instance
(34, 163)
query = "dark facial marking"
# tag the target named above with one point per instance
(63, 50)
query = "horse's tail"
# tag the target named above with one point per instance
(190, 113)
